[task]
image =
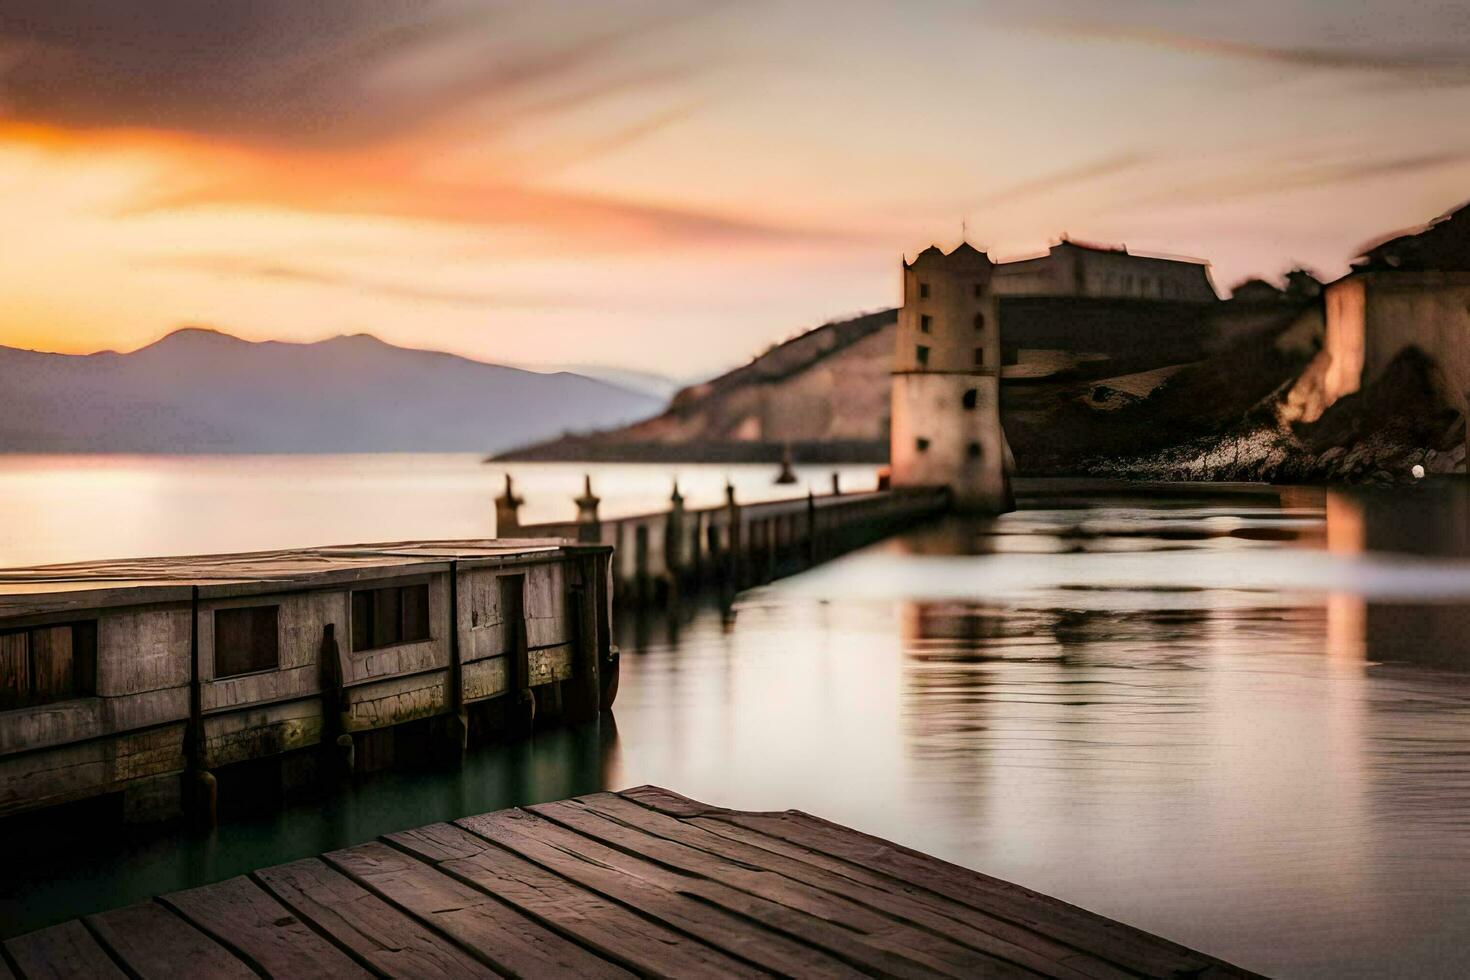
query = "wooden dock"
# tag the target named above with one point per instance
(152, 681)
(639, 883)
(732, 546)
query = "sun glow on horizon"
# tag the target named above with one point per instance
(518, 192)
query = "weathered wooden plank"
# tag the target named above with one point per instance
(261, 931)
(713, 913)
(261, 731)
(611, 885)
(882, 933)
(378, 934)
(142, 650)
(603, 926)
(15, 670)
(485, 678)
(155, 942)
(67, 950)
(69, 772)
(52, 674)
(395, 700)
(950, 919)
(498, 934)
(1122, 945)
(550, 664)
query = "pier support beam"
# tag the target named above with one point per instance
(675, 563)
(508, 511)
(589, 527)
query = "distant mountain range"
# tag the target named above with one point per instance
(660, 386)
(201, 391)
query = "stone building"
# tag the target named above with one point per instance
(946, 427)
(1072, 268)
(1412, 290)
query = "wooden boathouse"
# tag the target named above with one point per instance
(142, 679)
(639, 883)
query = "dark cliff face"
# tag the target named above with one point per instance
(202, 391)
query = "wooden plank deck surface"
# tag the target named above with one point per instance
(640, 883)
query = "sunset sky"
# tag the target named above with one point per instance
(673, 186)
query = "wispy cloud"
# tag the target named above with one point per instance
(1442, 66)
(575, 221)
(1192, 185)
(1066, 179)
(329, 73)
(255, 269)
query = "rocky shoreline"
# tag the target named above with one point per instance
(1378, 435)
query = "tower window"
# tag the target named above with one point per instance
(921, 444)
(979, 290)
(923, 290)
(979, 356)
(925, 323)
(972, 396)
(974, 450)
(922, 353)
(979, 321)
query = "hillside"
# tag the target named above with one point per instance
(824, 394)
(200, 391)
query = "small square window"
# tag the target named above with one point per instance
(925, 323)
(383, 617)
(923, 290)
(46, 664)
(921, 444)
(246, 640)
(922, 353)
(979, 356)
(974, 450)
(971, 399)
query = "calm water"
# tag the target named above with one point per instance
(1241, 721)
(74, 508)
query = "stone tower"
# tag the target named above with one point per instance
(946, 382)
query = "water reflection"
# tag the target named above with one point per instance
(73, 864)
(1241, 721)
(1180, 716)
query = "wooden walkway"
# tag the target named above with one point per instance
(639, 883)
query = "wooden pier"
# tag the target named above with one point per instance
(639, 883)
(147, 681)
(733, 545)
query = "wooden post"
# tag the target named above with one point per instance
(459, 719)
(203, 789)
(608, 666)
(334, 701)
(589, 528)
(522, 715)
(584, 699)
(735, 553)
(811, 527)
(694, 567)
(674, 564)
(836, 484)
(508, 512)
